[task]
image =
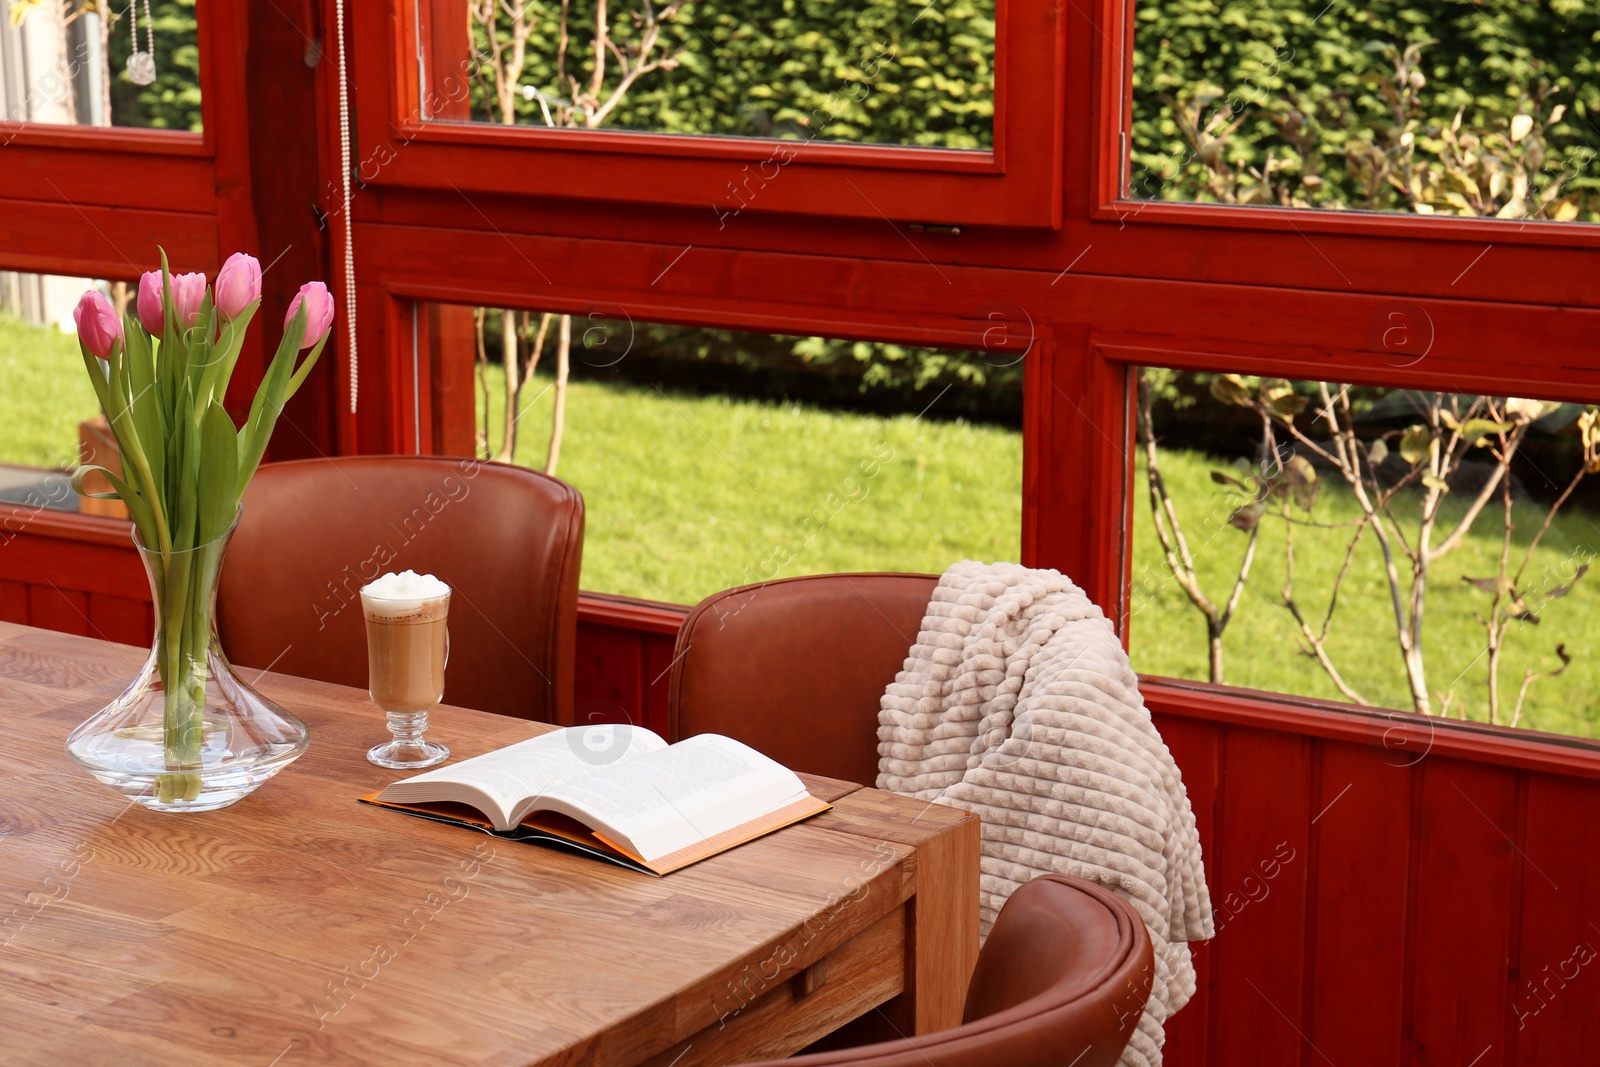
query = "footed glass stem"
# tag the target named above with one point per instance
(409, 751)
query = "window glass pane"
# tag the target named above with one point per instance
(869, 71)
(712, 458)
(96, 63)
(47, 393)
(1441, 107)
(1270, 512)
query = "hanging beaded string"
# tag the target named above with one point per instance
(141, 65)
(344, 215)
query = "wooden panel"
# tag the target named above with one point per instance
(648, 616)
(448, 356)
(40, 560)
(1556, 981)
(658, 661)
(120, 619)
(53, 608)
(1258, 871)
(944, 916)
(1361, 834)
(285, 178)
(105, 242)
(1464, 911)
(1197, 748)
(78, 176)
(13, 602)
(609, 681)
(1406, 736)
(865, 972)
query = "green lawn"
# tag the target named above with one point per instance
(689, 495)
(44, 393)
(1261, 646)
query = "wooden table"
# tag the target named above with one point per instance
(301, 927)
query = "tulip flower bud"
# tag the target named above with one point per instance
(188, 292)
(238, 285)
(149, 302)
(319, 312)
(98, 326)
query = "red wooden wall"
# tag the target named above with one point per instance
(73, 573)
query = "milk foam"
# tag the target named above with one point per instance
(394, 595)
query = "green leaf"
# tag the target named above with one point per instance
(1287, 407)
(1272, 389)
(1433, 481)
(97, 378)
(225, 356)
(269, 400)
(1414, 444)
(138, 507)
(1230, 389)
(219, 472)
(1476, 430)
(1377, 452)
(305, 366)
(144, 399)
(186, 460)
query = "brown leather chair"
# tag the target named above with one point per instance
(794, 668)
(1062, 980)
(508, 540)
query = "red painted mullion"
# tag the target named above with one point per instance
(1392, 225)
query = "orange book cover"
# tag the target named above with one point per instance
(559, 831)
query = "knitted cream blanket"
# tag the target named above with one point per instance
(1017, 702)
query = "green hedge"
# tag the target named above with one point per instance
(878, 71)
(1293, 71)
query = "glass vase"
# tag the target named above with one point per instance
(188, 734)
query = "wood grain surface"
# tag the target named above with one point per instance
(298, 926)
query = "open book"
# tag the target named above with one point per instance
(617, 792)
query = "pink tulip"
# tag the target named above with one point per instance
(98, 326)
(149, 302)
(238, 285)
(188, 291)
(319, 312)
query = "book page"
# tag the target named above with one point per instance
(675, 797)
(498, 782)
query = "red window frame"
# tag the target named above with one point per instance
(1117, 284)
(96, 201)
(1399, 254)
(1015, 184)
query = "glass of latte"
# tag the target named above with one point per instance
(407, 646)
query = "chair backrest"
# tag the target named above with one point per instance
(1062, 980)
(794, 668)
(508, 541)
